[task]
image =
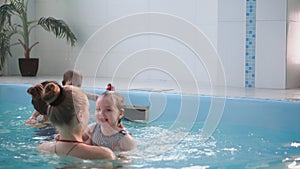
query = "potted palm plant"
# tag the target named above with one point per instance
(14, 21)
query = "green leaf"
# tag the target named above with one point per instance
(5, 48)
(5, 14)
(59, 28)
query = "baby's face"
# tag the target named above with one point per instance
(107, 112)
(67, 81)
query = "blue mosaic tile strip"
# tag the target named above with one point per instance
(250, 43)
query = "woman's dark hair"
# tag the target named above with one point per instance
(36, 93)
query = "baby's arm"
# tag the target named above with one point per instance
(33, 118)
(127, 143)
(87, 135)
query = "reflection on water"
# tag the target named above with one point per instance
(230, 147)
(46, 133)
(158, 146)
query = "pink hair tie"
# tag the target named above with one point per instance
(108, 87)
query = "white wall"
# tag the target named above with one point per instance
(221, 21)
(87, 18)
(270, 62)
(231, 40)
(293, 44)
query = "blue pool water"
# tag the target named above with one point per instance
(251, 134)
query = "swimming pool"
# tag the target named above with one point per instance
(252, 133)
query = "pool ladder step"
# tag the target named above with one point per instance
(136, 113)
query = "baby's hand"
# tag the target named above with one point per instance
(85, 137)
(57, 137)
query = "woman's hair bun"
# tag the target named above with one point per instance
(51, 92)
(36, 91)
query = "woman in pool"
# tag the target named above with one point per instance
(69, 113)
(39, 105)
(108, 131)
(70, 77)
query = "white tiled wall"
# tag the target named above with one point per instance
(231, 40)
(223, 22)
(271, 44)
(87, 18)
(270, 59)
(271, 10)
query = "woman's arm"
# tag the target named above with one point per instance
(100, 152)
(45, 147)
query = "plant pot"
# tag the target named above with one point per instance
(28, 67)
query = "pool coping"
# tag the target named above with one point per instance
(163, 86)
